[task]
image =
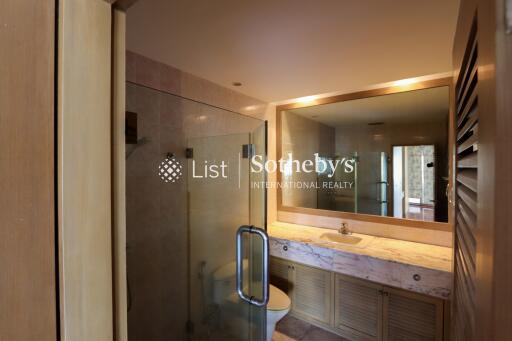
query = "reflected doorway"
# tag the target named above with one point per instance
(414, 182)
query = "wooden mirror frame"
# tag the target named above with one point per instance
(388, 90)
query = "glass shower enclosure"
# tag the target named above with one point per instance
(218, 208)
(365, 189)
(189, 190)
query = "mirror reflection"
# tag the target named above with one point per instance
(384, 155)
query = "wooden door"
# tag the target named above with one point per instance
(27, 221)
(466, 187)
(482, 57)
(358, 308)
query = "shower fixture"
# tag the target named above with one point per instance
(130, 148)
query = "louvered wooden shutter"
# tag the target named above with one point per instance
(358, 309)
(280, 274)
(412, 317)
(312, 293)
(466, 191)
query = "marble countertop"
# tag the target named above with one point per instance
(408, 265)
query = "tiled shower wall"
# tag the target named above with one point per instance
(149, 73)
(303, 137)
(157, 222)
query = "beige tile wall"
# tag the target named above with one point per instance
(146, 72)
(303, 137)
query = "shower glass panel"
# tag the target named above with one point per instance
(371, 186)
(258, 217)
(367, 187)
(218, 206)
(188, 191)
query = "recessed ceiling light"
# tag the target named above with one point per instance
(237, 84)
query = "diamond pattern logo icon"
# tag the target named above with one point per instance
(170, 170)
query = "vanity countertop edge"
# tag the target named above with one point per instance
(417, 267)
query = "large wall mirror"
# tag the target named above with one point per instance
(384, 155)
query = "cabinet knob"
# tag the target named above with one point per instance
(416, 277)
(285, 248)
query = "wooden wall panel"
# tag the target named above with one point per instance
(84, 174)
(27, 224)
(503, 176)
(494, 237)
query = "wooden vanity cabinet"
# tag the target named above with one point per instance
(281, 275)
(358, 309)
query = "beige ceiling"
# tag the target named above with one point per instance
(421, 106)
(282, 49)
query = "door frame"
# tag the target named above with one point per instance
(392, 182)
(119, 277)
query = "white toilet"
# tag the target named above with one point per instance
(278, 306)
(224, 290)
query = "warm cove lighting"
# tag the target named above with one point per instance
(404, 82)
(307, 99)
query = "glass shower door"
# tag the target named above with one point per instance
(372, 183)
(221, 199)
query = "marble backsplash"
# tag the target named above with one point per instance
(417, 267)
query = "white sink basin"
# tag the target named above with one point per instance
(339, 238)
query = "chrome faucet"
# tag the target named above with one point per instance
(344, 229)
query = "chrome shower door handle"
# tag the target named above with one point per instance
(240, 265)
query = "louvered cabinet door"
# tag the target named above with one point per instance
(280, 274)
(358, 308)
(466, 191)
(409, 316)
(311, 294)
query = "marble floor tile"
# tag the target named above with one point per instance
(293, 329)
(318, 334)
